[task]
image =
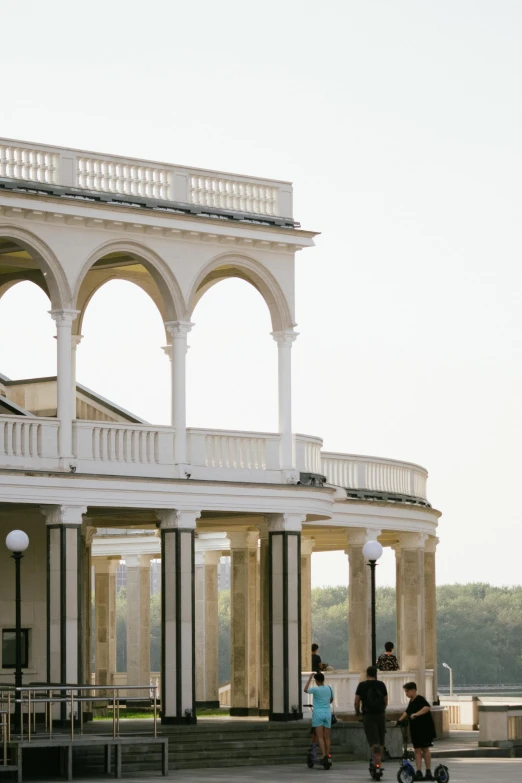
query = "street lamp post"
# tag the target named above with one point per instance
(372, 551)
(451, 678)
(17, 542)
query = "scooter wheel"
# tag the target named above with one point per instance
(326, 764)
(405, 776)
(309, 763)
(441, 774)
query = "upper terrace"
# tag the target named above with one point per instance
(60, 171)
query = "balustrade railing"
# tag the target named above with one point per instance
(352, 471)
(28, 442)
(131, 177)
(228, 450)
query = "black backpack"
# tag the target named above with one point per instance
(373, 702)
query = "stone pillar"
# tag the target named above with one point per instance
(88, 533)
(179, 331)
(243, 623)
(64, 412)
(75, 342)
(105, 619)
(284, 340)
(138, 622)
(178, 656)
(264, 625)
(359, 600)
(284, 532)
(206, 597)
(398, 604)
(430, 604)
(412, 614)
(64, 595)
(307, 545)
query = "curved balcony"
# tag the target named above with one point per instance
(142, 450)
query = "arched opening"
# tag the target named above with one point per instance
(27, 347)
(120, 356)
(232, 361)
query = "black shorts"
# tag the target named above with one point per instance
(375, 728)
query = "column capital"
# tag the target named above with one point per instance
(285, 523)
(285, 337)
(430, 545)
(177, 519)
(64, 317)
(105, 565)
(76, 340)
(178, 329)
(358, 536)
(243, 539)
(138, 561)
(88, 532)
(307, 545)
(63, 515)
(411, 540)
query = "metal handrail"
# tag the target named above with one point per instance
(69, 695)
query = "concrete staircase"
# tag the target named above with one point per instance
(213, 744)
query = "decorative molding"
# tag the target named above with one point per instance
(285, 523)
(178, 329)
(64, 317)
(285, 338)
(63, 515)
(178, 520)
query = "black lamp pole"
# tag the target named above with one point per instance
(372, 565)
(17, 557)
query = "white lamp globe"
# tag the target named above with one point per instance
(17, 541)
(372, 550)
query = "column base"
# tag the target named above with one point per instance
(284, 717)
(173, 720)
(243, 712)
(208, 705)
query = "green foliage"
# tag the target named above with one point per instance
(478, 628)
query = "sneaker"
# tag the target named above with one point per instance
(418, 775)
(428, 775)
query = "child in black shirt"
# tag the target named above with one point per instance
(422, 729)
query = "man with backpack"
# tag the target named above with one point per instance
(372, 696)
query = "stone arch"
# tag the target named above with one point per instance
(162, 286)
(52, 279)
(245, 268)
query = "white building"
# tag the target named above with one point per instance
(72, 462)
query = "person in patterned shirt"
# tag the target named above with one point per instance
(387, 662)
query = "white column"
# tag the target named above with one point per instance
(179, 331)
(359, 600)
(307, 545)
(284, 531)
(412, 610)
(75, 342)
(178, 657)
(206, 613)
(284, 340)
(65, 602)
(138, 621)
(105, 619)
(430, 604)
(243, 623)
(64, 319)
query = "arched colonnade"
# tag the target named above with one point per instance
(70, 279)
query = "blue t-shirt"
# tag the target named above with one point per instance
(322, 695)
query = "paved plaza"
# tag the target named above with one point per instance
(461, 771)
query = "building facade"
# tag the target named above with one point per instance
(72, 463)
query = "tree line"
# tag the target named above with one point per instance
(479, 630)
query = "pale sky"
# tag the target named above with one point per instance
(400, 125)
